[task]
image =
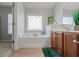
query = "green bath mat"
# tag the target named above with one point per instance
(51, 52)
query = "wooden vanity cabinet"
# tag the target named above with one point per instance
(70, 44)
(56, 41)
(66, 43)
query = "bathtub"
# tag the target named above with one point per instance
(40, 41)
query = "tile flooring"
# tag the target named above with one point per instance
(28, 52)
(5, 49)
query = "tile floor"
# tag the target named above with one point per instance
(5, 49)
(28, 52)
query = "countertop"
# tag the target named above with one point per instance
(63, 31)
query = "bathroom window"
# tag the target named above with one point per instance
(68, 20)
(9, 23)
(34, 23)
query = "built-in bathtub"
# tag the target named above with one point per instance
(34, 41)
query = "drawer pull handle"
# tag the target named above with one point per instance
(74, 36)
(75, 41)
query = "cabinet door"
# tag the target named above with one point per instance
(78, 49)
(53, 39)
(78, 44)
(59, 41)
(70, 46)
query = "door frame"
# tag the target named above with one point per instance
(13, 41)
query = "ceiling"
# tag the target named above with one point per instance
(67, 5)
(71, 5)
(39, 4)
(5, 4)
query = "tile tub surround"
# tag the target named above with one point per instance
(34, 42)
(76, 27)
(39, 41)
(28, 52)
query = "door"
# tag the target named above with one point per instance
(6, 30)
(58, 41)
(77, 44)
(70, 46)
(0, 27)
(53, 39)
(11, 27)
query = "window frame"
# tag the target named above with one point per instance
(69, 24)
(26, 22)
(10, 24)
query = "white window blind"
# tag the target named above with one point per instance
(9, 23)
(34, 22)
(68, 20)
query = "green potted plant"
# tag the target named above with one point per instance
(51, 20)
(76, 19)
